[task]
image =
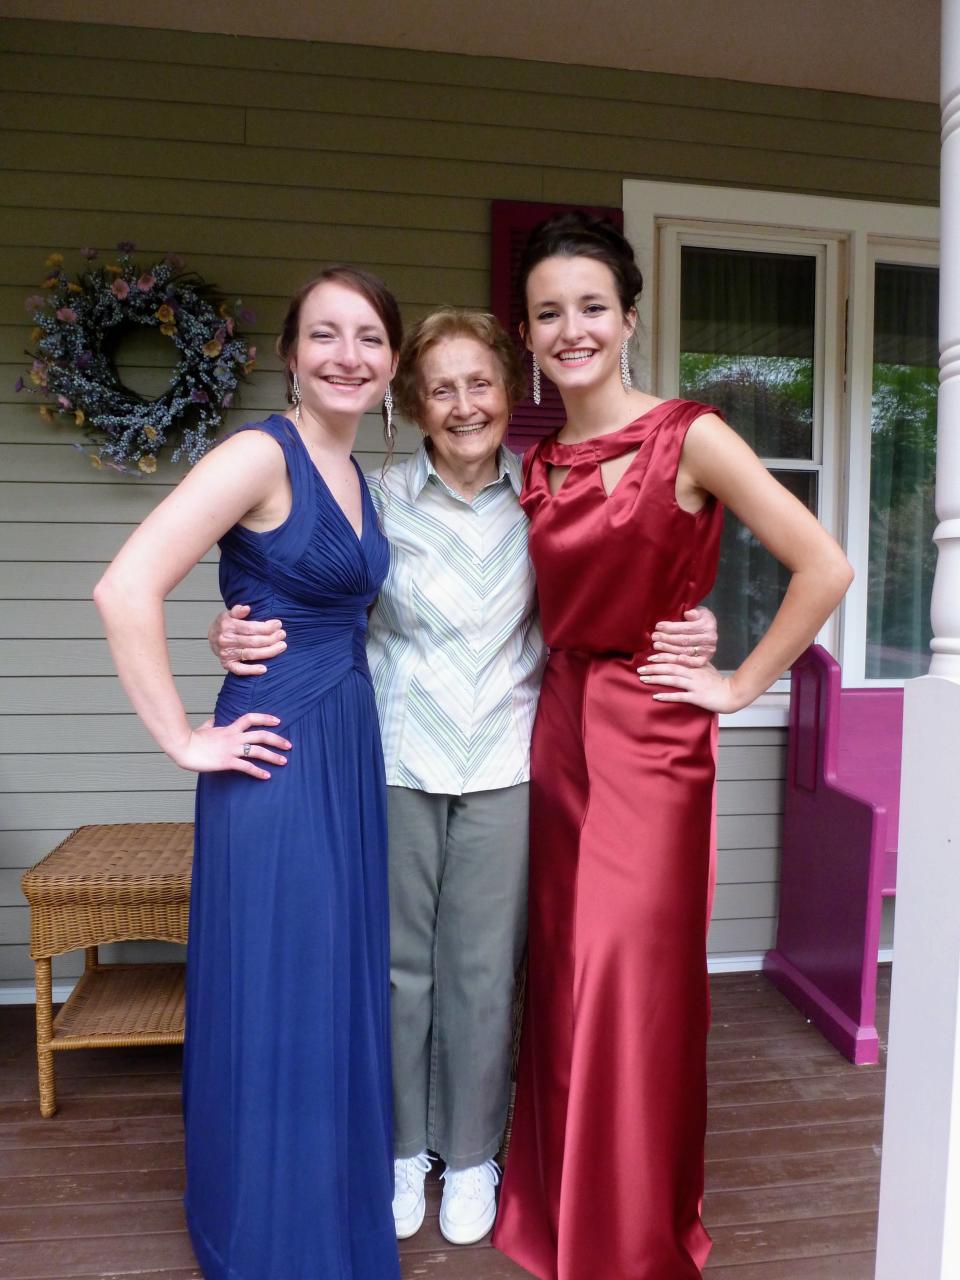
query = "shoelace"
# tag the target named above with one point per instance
(473, 1182)
(403, 1171)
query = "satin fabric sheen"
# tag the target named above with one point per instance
(604, 1175)
(286, 1085)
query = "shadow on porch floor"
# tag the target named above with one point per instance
(793, 1158)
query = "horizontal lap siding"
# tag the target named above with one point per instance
(258, 160)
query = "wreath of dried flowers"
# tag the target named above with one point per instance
(78, 324)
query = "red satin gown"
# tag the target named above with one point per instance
(604, 1176)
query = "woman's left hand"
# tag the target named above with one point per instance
(703, 686)
(691, 643)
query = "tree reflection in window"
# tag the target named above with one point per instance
(903, 453)
(747, 348)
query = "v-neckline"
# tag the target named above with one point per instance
(329, 492)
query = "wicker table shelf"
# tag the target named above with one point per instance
(109, 884)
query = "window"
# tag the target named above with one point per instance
(748, 334)
(749, 344)
(903, 456)
(811, 324)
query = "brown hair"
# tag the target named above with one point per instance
(366, 284)
(454, 322)
(580, 235)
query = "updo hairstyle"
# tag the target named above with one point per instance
(580, 235)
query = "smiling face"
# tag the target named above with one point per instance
(576, 325)
(463, 409)
(342, 357)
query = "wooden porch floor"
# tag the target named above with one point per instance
(793, 1159)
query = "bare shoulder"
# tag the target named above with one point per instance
(709, 436)
(253, 443)
(240, 474)
(709, 423)
(716, 459)
(642, 402)
(245, 452)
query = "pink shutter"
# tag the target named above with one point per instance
(511, 223)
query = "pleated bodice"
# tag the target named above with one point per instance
(315, 575)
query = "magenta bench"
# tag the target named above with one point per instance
(840, 828)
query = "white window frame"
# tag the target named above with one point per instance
(656, 217)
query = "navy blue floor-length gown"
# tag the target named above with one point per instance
(286, 1087)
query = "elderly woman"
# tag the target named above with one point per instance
(456, 654)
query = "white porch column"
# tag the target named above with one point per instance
(919, 1236)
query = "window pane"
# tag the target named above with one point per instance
(751, 583)
(747, 328)
(902, 471)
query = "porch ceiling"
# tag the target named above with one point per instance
(879, 47)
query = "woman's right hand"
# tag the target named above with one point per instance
(233, 746)
(243, 646)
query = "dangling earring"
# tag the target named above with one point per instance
(536, 381)
(388, 428)
(297, 398)
(625, 367)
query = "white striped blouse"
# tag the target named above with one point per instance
(454, 642)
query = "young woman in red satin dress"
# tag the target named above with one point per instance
(604, 1177)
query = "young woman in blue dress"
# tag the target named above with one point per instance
(286, 1070)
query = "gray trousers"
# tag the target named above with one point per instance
(458, 925)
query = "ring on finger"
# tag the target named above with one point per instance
(695, 651)
(247, 748)
(240, 655)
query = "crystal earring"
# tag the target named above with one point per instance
(625, 367)
(297, 398)
(536, 381)
(389, 429)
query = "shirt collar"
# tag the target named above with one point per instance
(421, 468)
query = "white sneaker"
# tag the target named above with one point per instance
(469, 1203)
(409, 1202)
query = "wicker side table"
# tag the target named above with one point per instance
(109, 884)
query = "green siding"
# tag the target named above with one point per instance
(259, 160)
